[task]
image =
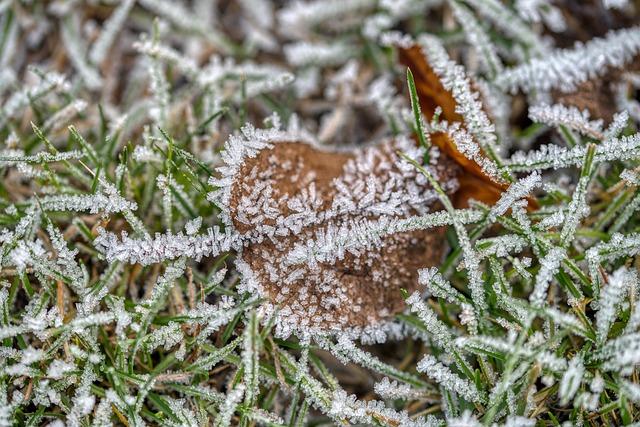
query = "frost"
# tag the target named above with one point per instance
(508, 22)
(109, 32)
(542, 11)
(465, 420)
(299, 16)
(20, 99)
(333, 243)
(515, 192)
(107, 201)
(571, 117)
(565, 69)
(554, 156)
(438, 330)
(77, 53)
(164, 259)
(165, 246)
(612, 296)
(58, 369)
(347, 406)
(192, 226)
(615, 4)
(305, 53)
(468, 105)
(228, 407)
(447, 379)
(438, 286)
(478, 38)
(166, 336)
(549, 267)
(571, 380)
(388, 389)
(13, 158)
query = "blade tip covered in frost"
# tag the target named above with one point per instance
(564, 70)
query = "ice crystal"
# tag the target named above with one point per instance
(388, 389)
(542, 11)
(612, 296)
(239, 213)
(372, 182)
(305, 53)
(514, 193)
(565, 69)
(549, 267)
(571, 379)
(442, 375)
(165, 246)
(478, 38)
(569, 116)
(468, 105)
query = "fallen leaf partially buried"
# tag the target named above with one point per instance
(285, 192)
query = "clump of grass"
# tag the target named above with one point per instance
(149, 211)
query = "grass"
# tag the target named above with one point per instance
(535, 311)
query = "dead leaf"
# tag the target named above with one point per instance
(358, 290)
(474, 183)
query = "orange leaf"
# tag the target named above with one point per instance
(432, 94)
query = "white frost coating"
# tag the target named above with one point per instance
(558, 114)
(447, 379)
(76, 50)
(150, 250)
(304, 53)
(631, 390)
(439, 287)
(621, 354)
(156, 50)
(192, 226)
(13, 157)
(467, 419)
(549, 267)
(229, 406)
(555, 156)
(516, 191)
(571, 380)
(177, 13)
(542, 11)
(247, 144)
(51, 81)
(107, 201)
(615, 4)
(109, 32)
(611, 297)
(438, 330)
(500, 246)
(391, 389)
(173, 315)
(468, 105)
(477, 37)
(367, 412)
(332, 243)
(298, 17)
(508, 22)
(259, 78)
(59, 368)
(565, 69)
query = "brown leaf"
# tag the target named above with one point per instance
(474, 183)
(358, 290)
